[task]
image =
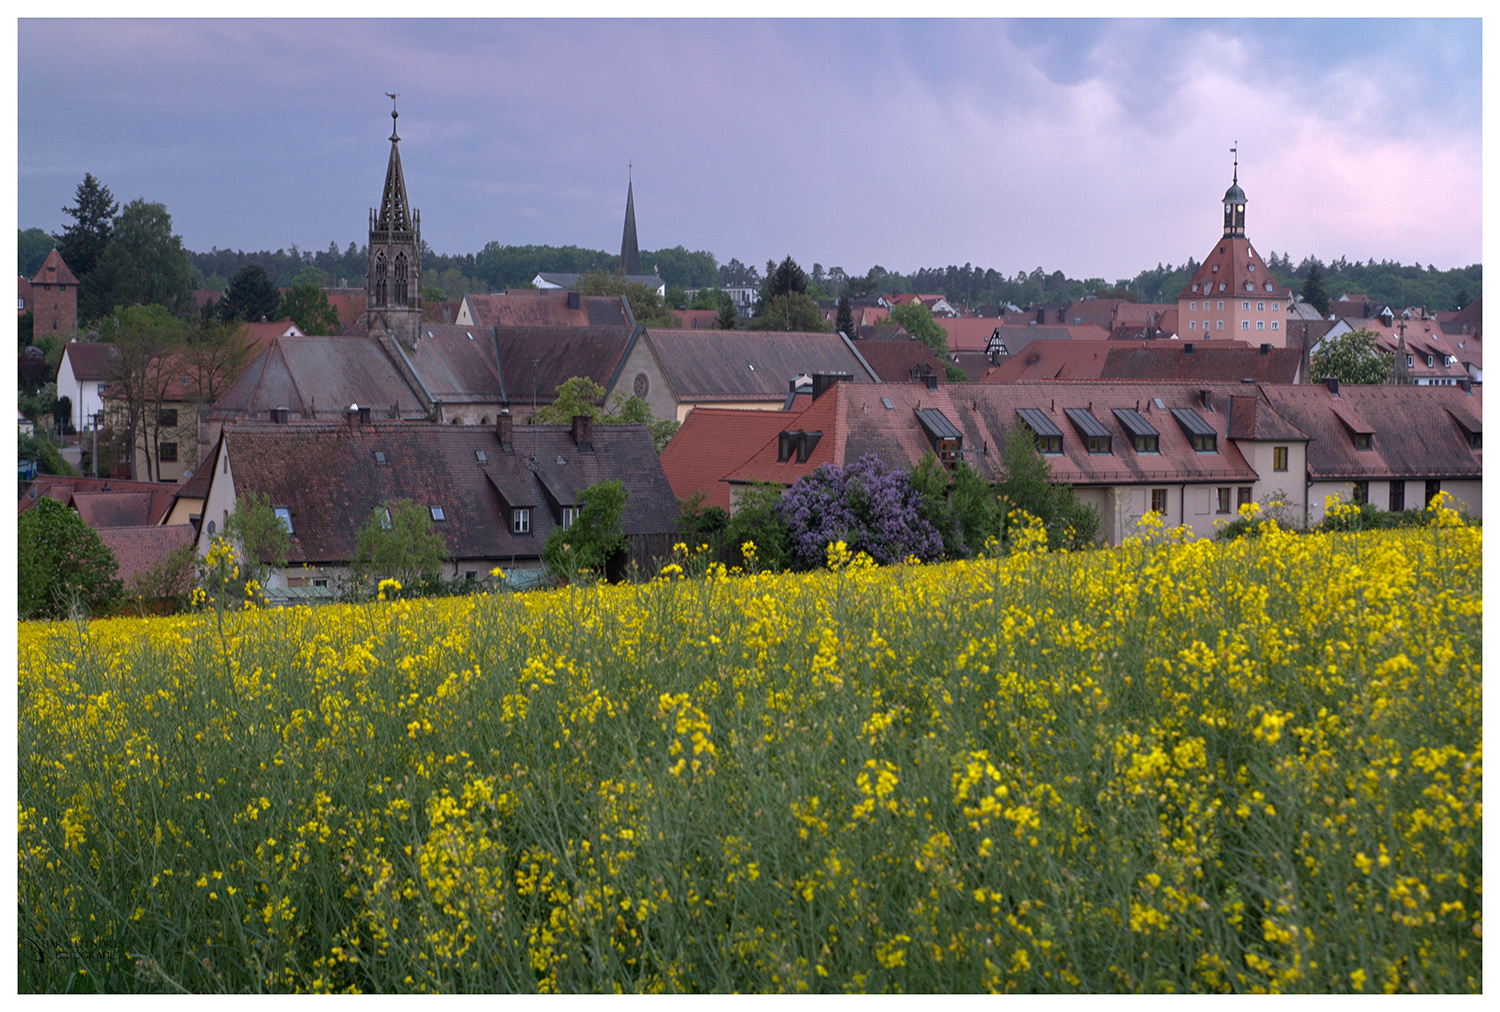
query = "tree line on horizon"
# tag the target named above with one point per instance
(497, 267)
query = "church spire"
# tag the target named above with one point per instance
(630, 251)
(395, 213)
(393, 279)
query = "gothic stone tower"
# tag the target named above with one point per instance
(393, 282)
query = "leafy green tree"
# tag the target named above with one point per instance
(1461, 299)
(1026, 485)
(48, 459)
(844, 321)
(251, 296)
(648, 308)
(1351, 357)
(579, 395)
(921, 324)
(169, 579)
(82, 242)
(399, 542)
(1312, 289)
(681, 269)
(959, 504)
(259, 536)
(212, 355)
(595, 539)
(32, 247)
(796, 311)
(143, 263)
(61, 564)
(308, 307)
(702, 524)
(146, 339)
(756, 519)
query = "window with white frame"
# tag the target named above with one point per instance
(520, 521)
(570, 516)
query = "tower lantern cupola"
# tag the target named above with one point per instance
(1234, 202)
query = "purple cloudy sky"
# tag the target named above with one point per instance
(1098, 148)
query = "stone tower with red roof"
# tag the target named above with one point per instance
(54, 300)
(1233, 296)
(393, 283)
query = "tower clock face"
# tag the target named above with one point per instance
(1240, 208)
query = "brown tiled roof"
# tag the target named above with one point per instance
(1049, 359)
(883, 332)
(1016, 337)
(349, 303)
(749, 365)
(712, 442)
(561, 353)
(975, 364)
(119, 508)
(546, 308)
(967, 333)
(322, 374)
(138, 549)
(62, 488)
(91, 359)
(1251, 416)
(328, 477)
(24, 291)
(893, 361)
(1214, 361)
(1465, 321)
(854, 422)
(698, 319)
(54, 272)
(1233, 256)
(1416, 434)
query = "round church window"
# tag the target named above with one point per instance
(642, 384)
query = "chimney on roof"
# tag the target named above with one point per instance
(354, 417)
(824, 381)
(1265, 349)
(575, 299)
(1332, 383)
(583, 432)
(505, 430)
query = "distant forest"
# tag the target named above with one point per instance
(499, 267)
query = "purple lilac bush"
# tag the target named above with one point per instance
(869, 508)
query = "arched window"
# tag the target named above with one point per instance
(380, 278)
(401, 285)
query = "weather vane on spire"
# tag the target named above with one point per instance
(1236, 152)
(394, 114)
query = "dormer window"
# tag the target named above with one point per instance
(1200, 434)
(520, 521)
(1252, 268)
(1049, 437)
(1249, 286)
(1362, 440)
(1268, 286)
(1216, 267)
(1096, 435)
(1143, 435)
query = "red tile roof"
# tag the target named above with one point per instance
(64, 489)
(349, 303)
(697, 319)
(138, 549)
(119, 508)
(1227, 269)
(711, 442)
(53, 271)
(893, 361)
(524, 307)
(90, 359)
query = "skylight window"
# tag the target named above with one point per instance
(437, 512)
(285, 516)
(380, 457)
(479, 456)
(888, 405)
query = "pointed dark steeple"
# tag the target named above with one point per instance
(630, 251)
(393, 283)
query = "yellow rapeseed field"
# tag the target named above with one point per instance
(1252, 766)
